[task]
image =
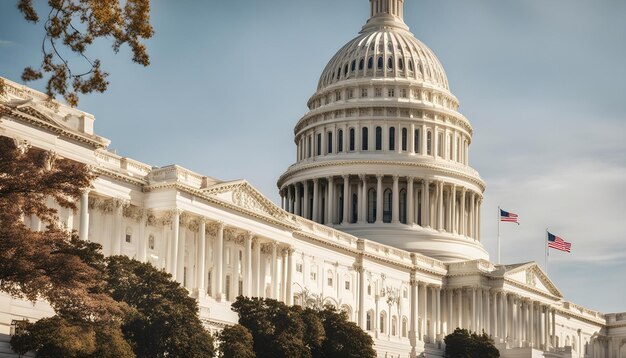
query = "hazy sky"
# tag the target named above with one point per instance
(542, 82)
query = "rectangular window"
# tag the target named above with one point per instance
(351, 139)
(340, 141)
(404, 139)
(364, 138)
(227, 287)
(330, 142)
(350, 93)
(240, 288)
(338, 96)
(329, 281)
(208, 285)
(364, 92)
(319, 144)
(440, 144)
(299, 267)
(308, 147)
(128, 238)
(184, 276)
(378, 92)
(347, 285)
(403, 93)
(391, 92)
(416, 142)
(313, 276)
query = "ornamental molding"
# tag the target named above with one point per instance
(531, 269)
(441, 168)
(133, 212)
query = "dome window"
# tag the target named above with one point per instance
(379, 138)
(389, 47)
(380, 63)
(338, 72)
(351, 139)
(389, 63)
(353, 65)
(404, 139)
(361, 64)
(392, 138)
(400, 64)
(345, 70)
(364, 137)
(410, 65)
(370, 63)
(340, 141)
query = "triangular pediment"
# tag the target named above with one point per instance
(532, 276)
(243, 195)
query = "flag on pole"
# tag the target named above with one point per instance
(508, 217)
(557, 243)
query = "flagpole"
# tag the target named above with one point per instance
(547, 253)
(498, 234)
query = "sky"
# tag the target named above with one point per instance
(543, 84)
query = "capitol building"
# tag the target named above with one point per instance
(380, 215)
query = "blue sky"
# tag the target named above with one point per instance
(542, 82)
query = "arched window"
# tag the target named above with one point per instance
(319, 144)
(394, 324)
(151, 242)
(364, 138)
(370, 63)
(404, 326)
(338, 72)
(351, 148)
(400, 64)
(403, 206)
(345, 70)
(369, 290)
(329, 278)
(387, 206)
(379, 138)
(340, 141)
(389, 63)
(383, 318)
(371, 205)
(355, 208)
(380, 63)
(368, 321)
(353, 65)
(429, 143)
(416, 141)
(392, 138)
(330, 142)
(440, 147)
(410, 65)
(404, 139)
(361, 64)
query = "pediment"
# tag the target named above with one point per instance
(243, 195)
(531, 275)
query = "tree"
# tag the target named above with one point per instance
(51, 263)
(165, 319)
(344, 339)
(236, 342)
(71, 26)
(463, 344)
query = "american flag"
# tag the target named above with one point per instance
(556, 242)
(508, 217)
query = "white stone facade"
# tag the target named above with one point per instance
(221, 239)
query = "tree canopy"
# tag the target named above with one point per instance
(71, 27)
(463, 344)
(279, 330)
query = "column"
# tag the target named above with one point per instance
(472, 213)
(143, 245)
(247, 272)
(450, 310)
(542, 327)
(553, 322)
(433, 315)
(346, 198)
(448, 200)
(440, 206)
(480, 324)
(487, 313)
(453, 217)
(505, 315)
(175, 226)
(414, 314)
(531, 324)
(297, 210)
(395, 211)
(274, 291)
(118, 222)
(473, 325)
(218, 252)
(439, 325)
(258, 287)
(180, 258)
(478, 220)
(289, 206)
(200, 270)
(410, 212)
(316, 200)
(411, 138)
(426, 204)
(361, 312)
(305, 206)
(460, 308)
(84, 216)
(363, 199)
(423, 308)
(331, 201)
(463, 227)
(283, 276)
(379, 199)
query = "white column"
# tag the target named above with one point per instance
(200, 265)
(306, 207)
(379, 199)
(297, 203)
(553, 321)
(460, 308)
(331, 201)
(218, 254)
(423, 310)
(116, 244)
(434, 323)
(426, 204)
(450, 301)
(413, 317)
(411, 137)
(440, 206)
(410, 212)
(174, 242)
(247, 271)
(316, 200)
(462, 230)
(274, 292)
(473, 325)
(361, 320)
(479, 310)
(288, 282)
(472, 213)
(439, 321)
(487, 306)
(478, 219)
(283, 276)
(395, 200)
(453, 217)
(531, 324)
(505, 316)
(143, 245)
(346, 198)
(363, 199)
(258, 286)
(84, 216)
(180, 258)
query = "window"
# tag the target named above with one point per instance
(387, 206)
(361, 64)
(440, 145)
(404, 139)
(369, 290)
(390, 63)
(338, 72)
(313, 275)
(299, 267)
(370, 63)
(128, 238)
(353, 65)
(410, 65)
(338, 96)
(451, 149)
(391, 92)
(379, 138)
(308, 147)
(151, 242)
(129, 235)
(400, 64)
(227, 287)
(403, 93)
(319, 144)
(355, 208)
(364, 92)
(380, 63)
(240, 288)
(347, 286)
(416, 141)
(340, 141)
(329, 278)
(371, 206)
(429, 142)
(209, 291)
(185, 276)
(394, 324)
(404, 325)
(403, 206)
(392, 138)
(330, 142)
(378, 92)
(364, 137)
(382, 322)
(350, 93)
(368, 321)
(351, 139)
(345, 70)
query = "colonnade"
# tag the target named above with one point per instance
(430, 203)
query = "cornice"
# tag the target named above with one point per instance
(298, 168)
(530, 288)
(100, 171)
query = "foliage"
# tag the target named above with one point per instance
(165, 320)
(281, 331)
(236, 342)
(71, 26)
(463, 344)
(53, 263)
